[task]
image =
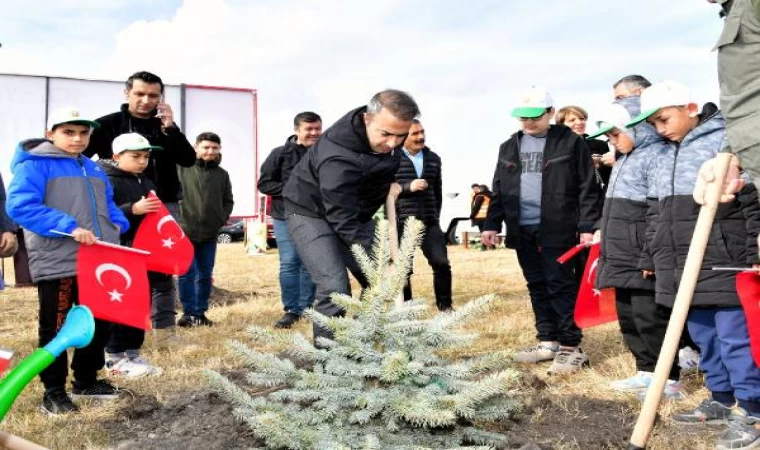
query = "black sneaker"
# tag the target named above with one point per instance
(708, 412)
(187, 321)
(57, 401)
(287, 320)
(101, 390)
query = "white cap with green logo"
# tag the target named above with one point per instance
(661, 95)
(532, 102)
(68, 115)
(133, 142)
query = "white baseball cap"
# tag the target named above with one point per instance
(69, 115)
(132, 141)
(612, 116)
(661, 95)
(533, 102)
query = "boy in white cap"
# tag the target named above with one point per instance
(623, 230)
(131, 154)
(716, 321)
(56, 188)
(546, 193)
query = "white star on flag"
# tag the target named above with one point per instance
(168, 243)
(115, 296)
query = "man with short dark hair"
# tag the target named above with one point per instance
(338, 186)
(146, 113)
(296, 287)
(419, 175)
(206, 205)
(630, 86)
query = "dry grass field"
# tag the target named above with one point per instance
(176, 409)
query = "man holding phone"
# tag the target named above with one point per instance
(146, 113)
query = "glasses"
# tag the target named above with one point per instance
(533, 119)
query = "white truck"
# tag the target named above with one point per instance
(26, 101)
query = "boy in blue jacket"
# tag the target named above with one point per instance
(716, 321)
(54, 187)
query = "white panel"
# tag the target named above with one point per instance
(97, 98)
(22, 115)
(230, 114)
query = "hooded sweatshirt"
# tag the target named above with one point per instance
(342, 180)
(733, 237)
(623, 223)
(55, 190)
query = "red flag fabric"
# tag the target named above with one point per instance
(113, 283)
(748, 289)
(5, 358)
(593, 306)
(171, 251)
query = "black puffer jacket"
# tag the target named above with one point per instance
(342, 180)
(570, 195)
(672, 217)
(424, 205)
(128, 188)
(276, 170)
(162, 168)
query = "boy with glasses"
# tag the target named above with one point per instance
(545, 192)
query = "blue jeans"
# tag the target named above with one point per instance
(296, 288)
(195, 284)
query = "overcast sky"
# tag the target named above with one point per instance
(463, 61)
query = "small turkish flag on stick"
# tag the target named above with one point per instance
(171, 250)
(113, 283)
(5, 358)
(593, 306)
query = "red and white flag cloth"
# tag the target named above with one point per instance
(171, 250)
(113, 283)
(5, 358)
(594, 306)
(748, 289)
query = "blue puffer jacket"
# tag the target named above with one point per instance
(673, 216)
(623, 222)
(54, 190)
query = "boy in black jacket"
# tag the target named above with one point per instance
(131, 153)
(546, 193)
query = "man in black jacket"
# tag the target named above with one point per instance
(546, 193)
(338, 186)
(296, 287)
(146, 113)
(419, 175)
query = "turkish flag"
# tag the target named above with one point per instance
(171, 251)
(748, 289)
(113, 283)
(5, 358)
(593, 306)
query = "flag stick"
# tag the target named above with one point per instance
(645, 422)
(106, 244)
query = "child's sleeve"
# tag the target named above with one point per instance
(25, 202)
(748, 199)
(114, 212)
(653, 211)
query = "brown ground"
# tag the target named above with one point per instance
(177, 409)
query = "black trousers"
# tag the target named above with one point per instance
(56, 299)
(552, 289)
(434, 248)
(643, 323)
(163, 298)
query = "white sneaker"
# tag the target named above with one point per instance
(641, 380)
(568, 360)
(688, 358)
(132, 368)
(536, 354)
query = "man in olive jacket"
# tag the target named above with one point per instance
(205, 207)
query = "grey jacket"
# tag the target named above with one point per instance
(739, 75)
(54, 190)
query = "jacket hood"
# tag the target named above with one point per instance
(710, 120)
(350, 132)
(37, 148)
(643, 134)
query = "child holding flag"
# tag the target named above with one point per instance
(56, 188)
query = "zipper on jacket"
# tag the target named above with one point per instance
(611, 190)
(673, 210)
(93, 203)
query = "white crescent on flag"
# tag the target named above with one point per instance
(106, 267)
(590, 278)
(164, 220)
